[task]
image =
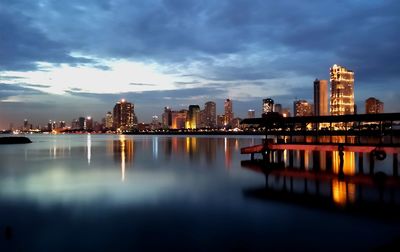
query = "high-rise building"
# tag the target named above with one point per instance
(124, 115)
(167, 118)
(179, 119)
(220, 121)
(193, 117)
(89, 123)
(277, 108)
(286, 112)
(373, 106)
(251, 113)
(81, 123)
(342, 90)
(109, 120)
(210, 114)
(268, 106)
(26, 124)
(228, 112)
(302, 108)
(321, 98)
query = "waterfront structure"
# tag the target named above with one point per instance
(210, 114)
(179, 119)
(109, 120)
(342, 91)
(155, 123)
(302, 108)
(228, 112)
(89, 123)
(268, 106)
(167, 118)
(251, 113)
(220, 121)
(193, 118)
(286, 112)
(321, 103)
(124, 115)
(373, 106)
(277, 108)
(81, 123)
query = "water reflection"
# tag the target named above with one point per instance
(89, 148)
(332, 175)
(123, 151)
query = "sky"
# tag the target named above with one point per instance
(60, 60)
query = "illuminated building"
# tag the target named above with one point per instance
(286, 112)
(179, 119)
(26, 125)
(228, 112)
(109, 120)
(89, 123)
(373, 106)
(193, 118)
(220, 121)
(210, 114)
(124, 115)
(321, 98)
(61, 124)
(155, 123)
(251, 113)
(302, 108)
(268, 106)
(342, 91)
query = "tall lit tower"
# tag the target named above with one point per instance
(342, 90)
(193, 117)
(321, 98)
(228, 109)
(268, 106)
(109, 120)
(124, 115)
(210, 114)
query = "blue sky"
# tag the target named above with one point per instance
(63, 59)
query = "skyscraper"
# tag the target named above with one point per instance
(268, 106)
(342, 90)
(302, 108)
(373, 106)
(109, 120)
(277, 108)
(124, 115)
(167, 117)
(210, 114)
(251, 113)
(193, 118)
(228, 112)
(321, 98)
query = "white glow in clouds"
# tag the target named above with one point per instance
(123, 76)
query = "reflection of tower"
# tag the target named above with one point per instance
(228, 153)
(342, 191)
(124, 151)
(191, 147)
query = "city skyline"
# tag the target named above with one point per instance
(191, 53)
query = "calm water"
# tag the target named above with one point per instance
(140, 193)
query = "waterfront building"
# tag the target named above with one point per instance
(268, 106)
(251, 113)
(321, 102)
(302, 108)
(277, 108)
(193, 118)
(167, 118)
(286, 112)
(210, 114)
(179, 119)
(155, 123)
(228, 112)
(109, 120)
(89, 123)
(220, 121)
(373, 106)
(124, 115)
(342, 91)
(81, 123)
